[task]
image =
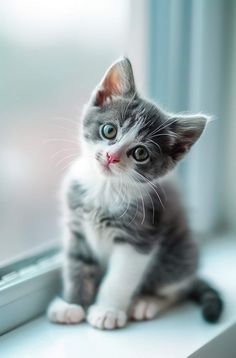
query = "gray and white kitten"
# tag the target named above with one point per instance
(127, 246)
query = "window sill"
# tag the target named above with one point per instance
(24, 294)
(181, 332)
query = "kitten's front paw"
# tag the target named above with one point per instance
(59, 311)
(106, 318)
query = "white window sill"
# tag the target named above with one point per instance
(181, 332)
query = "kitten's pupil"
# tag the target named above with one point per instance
(140, 154)
(109, 131)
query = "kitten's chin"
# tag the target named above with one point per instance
(108, 172)
(104, 170)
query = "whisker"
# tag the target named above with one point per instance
(61, 151)
(64, 168)
(144, 212)
(127, 208)
(69, 130)
(59, 140)
(165, 134)
(65, 158)
(162, 190)
(156, 144)
(74, 122)
(126, 109)
(165, 124)
(153, 187)
(153, 210)
(120, 194)
(134, 217)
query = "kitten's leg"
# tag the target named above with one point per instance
(80, 279)
(145, 307)
(126, 269)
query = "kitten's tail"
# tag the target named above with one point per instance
(208, 298)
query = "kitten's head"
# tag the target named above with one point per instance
(127, 137)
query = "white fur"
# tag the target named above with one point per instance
(90, 169)
(102, 191)
(99, 191)
(147, 307)
(106, 318)
(125, 272)
(100, 241)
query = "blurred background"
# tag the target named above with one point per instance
(53, 53)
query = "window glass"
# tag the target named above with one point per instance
(52, 53)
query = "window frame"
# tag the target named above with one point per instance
(37, 280)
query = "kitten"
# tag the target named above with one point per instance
(127, 246)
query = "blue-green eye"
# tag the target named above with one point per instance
(109, 131)
(140, 154)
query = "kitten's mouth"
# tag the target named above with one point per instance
(105, 168)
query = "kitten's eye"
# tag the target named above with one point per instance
(140, 154)
(109, 131)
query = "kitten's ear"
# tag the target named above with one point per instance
(117, 81)
(186, 130)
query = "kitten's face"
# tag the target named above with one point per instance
(122, 139)
(128, 138)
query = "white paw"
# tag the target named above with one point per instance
(59, 311)
(106, 318)
(144, 308)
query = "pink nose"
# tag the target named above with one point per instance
(112, 158)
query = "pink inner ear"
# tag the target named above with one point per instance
(110, 87)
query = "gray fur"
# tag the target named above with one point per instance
(152, 222)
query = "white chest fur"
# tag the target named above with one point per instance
(100, 240)
(100, 193)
